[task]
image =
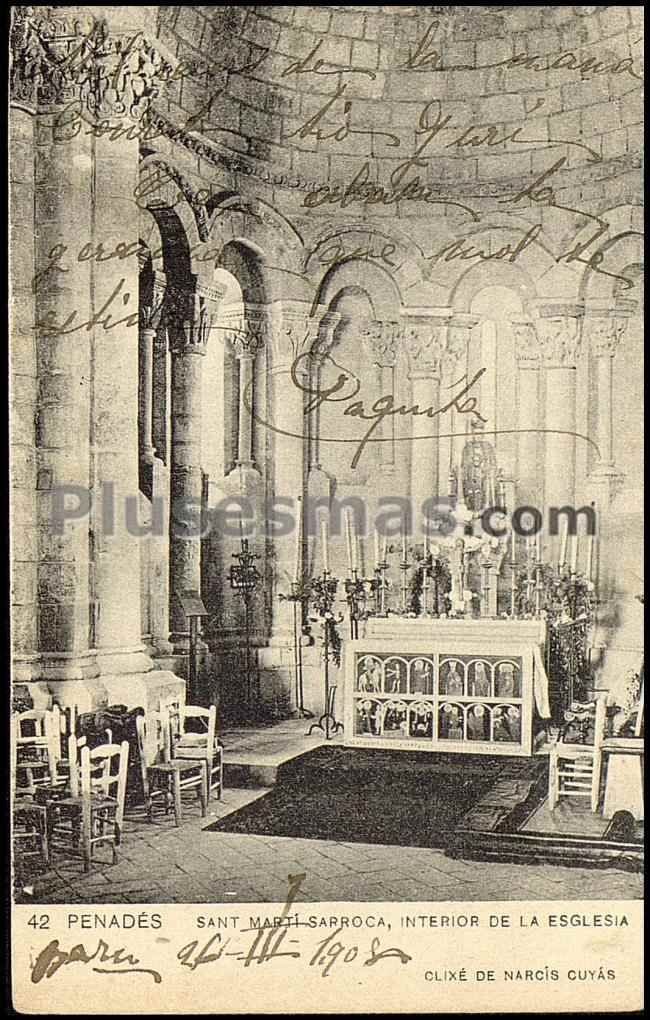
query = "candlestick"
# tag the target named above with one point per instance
(563, 544)
(348, 537)
(590, 557)
(297, 574)
(574, 553)
(324, 543)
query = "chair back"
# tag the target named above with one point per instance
(208, 719)
(75, 745)
(152, 731)
(172, 706)
(104, 773)
(43, 741)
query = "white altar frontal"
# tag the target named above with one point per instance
(467, 686)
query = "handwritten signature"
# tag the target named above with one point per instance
(117, 961)
(267, 944)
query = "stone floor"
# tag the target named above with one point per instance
(159, 863)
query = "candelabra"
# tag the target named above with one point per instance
(404, 586)
(300, 593)
(380, 587)
(357, 590)
(323, 593)
(244, 582)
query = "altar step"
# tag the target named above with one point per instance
(252, 756)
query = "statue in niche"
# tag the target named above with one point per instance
(479, 471)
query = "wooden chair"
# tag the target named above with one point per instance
(200, 746)
(94, 811)
(164, 777)
(575, 769)
(38, 751)
(29, 819)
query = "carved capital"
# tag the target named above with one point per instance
(424, 340)
(604, 333)
(152, 301)
(191, 316)
(381, 339)
(527, 349)
(246, 330)
(459, 332)
(293, 332)
(559, 334)
(61, 56)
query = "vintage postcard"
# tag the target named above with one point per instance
(327, 508)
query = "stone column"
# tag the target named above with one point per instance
(424, 340)
(382, 343)
(604, 327)
(292, 335)
(24, 390)
(459, 331)
(322, 345)
(191, 319)
(559, 335)
(151, 304)
(527, 353)
(245, 331)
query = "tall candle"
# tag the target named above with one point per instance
(563, 542)
(574, 554)
(426, 540)
(348, 537)
(403, 540)
(377, 553)
(590, 557)
(384, 549)
(538, 547)
(298, 566)
(513, 543)
(324, 541)
(356, 548)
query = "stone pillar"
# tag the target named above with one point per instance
(24, 390)
(459, 331)
(115, 400)
(382, 343)
(424, 343)
(559, 335)
(322, 345)
(604, 327)
(291, 336)
(527, 353)
(245, 330)
(151, 304)
(190, 323)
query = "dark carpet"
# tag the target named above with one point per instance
(374, 796)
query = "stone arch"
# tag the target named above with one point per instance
(370, 278)
(390, 249)
(622, 247)
(492, 274)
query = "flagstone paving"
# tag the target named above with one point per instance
(159, 863)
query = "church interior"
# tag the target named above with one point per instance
(332, 260)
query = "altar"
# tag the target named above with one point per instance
(455, 685)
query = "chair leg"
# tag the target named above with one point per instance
(204, 789)
(553, 778)
(178, 810)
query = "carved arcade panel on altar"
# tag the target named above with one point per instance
(439, 695)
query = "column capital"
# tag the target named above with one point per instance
(152, 301)
(293, 331)
(527, 349)
(246, 328)
(382, 341)
(63, 55)
(424, 339)
(605, 325)
(191, 316)
(459, 330)
(559, 334)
